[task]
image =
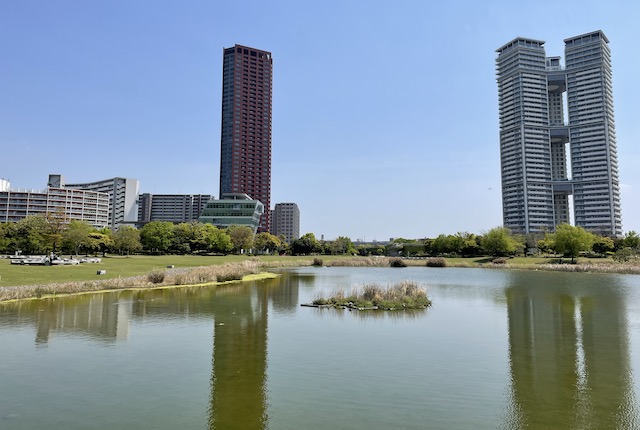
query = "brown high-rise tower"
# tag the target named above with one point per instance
(245, 142)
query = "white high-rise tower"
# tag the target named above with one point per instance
(534, 136)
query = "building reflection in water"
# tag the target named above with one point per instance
(238, 377)
(569, 353)
(239, 315)
(102, 317)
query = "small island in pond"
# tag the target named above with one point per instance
(402, 296)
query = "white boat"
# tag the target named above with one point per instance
(90, 260)
(59, 261)
(30, 259)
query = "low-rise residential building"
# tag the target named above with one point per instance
(122, 192)
(71, 204)
(174, 208)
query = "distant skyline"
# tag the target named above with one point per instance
(385, 116)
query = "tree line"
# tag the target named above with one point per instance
(38, 234)
(567, 240)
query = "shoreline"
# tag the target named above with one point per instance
(253, 270)
(247, 278)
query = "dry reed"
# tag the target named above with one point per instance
(156, 278)
(403, 295)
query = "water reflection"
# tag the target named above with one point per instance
(566, 337)
(238, 377)
(100, 316)
(569, 353)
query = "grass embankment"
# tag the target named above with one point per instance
(122, 267)
(551, 263)
(134, 272)
(159, 278)
(402, 296)
(17, 282)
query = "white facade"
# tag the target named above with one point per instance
(534, 136)
(88, 206)
(123, 197)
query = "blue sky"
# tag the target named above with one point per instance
(385, 115)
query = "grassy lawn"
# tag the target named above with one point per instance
(117, 266)
(123, 267)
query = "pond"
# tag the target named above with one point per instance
(498, 349)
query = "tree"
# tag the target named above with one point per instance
(547, 244)
(6, 234)
(266, 242)
(127, 239)
(441, 245)
(602, 245)
(499, 242)
(570, 240)
(30, 235)
(466, 244)
(304, 245)
(342, 245)
(56, 226)
(284, 244)
(241, 237)
(631, 240)
(216, 240)
(185, 238)
(76, 235)
(156, 236)
(101, 240)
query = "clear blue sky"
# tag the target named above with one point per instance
(385, 115)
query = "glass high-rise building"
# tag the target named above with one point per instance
(245, 143)
(557, 136)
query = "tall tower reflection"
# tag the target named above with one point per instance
(569, 353)
(238, 377)
(238, 381)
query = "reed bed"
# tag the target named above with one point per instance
(361, 262)
(400, 296)
(580, 267)
(284, 263)
(436, 262)
(621, 268)
(156, 278)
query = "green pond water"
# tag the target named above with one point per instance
(497, 350)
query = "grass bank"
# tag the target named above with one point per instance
(159, 278)
(118, 267)
(557, 264)
(20, 282)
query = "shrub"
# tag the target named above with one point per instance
(397, 262)
(403, 295)
(156, 277)
(623, 255)
(228, 276)
(317, 262)
(436, 262)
